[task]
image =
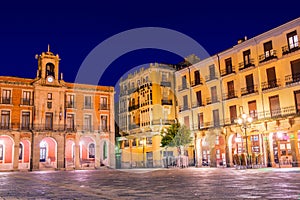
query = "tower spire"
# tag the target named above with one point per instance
(48, 47)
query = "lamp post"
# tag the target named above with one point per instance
(245, 121)
(143, 142)
(278, 137)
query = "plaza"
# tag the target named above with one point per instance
(175, 183)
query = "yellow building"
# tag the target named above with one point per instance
(146, 106)
(258, 77)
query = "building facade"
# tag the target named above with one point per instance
(47, 123)
(258, 77)
(146, 106)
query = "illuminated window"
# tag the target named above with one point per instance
(92, 150)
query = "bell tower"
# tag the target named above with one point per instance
(48, 67)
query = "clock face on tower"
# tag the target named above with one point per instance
(50, 79)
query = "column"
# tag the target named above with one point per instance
(77, 148)
(16, 152)
(198, 151)
(295, 149)
(97, 151)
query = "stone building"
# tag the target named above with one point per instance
(47, 123)
(257, 78)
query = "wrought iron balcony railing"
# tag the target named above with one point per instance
(286, 49)
(197, 82)
(249, 90)
(293, 78)
(230, 95)
(227, 71)
(182, 87)
(163, 122)
(104, 106)
(183, 108)
(70, 104)
(6, 100)
(245, 65)
(270, 84)
(197, 104)
(268, 55)
(134, 126)
(210, 100)
(211, 77)
(165, 83)
(26, 102)
(134, 107)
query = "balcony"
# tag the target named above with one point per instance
(134, 107)
(134, 126)
(182, 87)
(197, 82)
(286, 49)
(291, 79)
(210, 100)
(244, 65)
(230, 95)
(132, 90)
(26, 102)
(268, 55)
(70, 104)
(270, 84)
(210, 78)
(6, 100)
(104, 106)
(166, 102)
(183, 108)
(165, 83)
(197, 104)
(249, 90)
(163, 122)
(227, 71)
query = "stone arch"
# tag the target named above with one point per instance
(86, 160)
(48, 153)
(6, 152)
(24, 162)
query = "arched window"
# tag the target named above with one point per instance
(50, 69)
(20, 152)
(92, 150)
(104, 150)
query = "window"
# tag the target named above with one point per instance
(295, 67)
(274, 106)
(103, 103)
(200, 121)
(246, 56)
(134, 142)
(49, 121)
(49, 96)
(49, 104)
(249, 83)
(297, 100)
(103, 123)
(50, 69)
(26, 98)
(20, 152)
(25, 120)
(252, 109)
(87, 102)
(87, 126)
(185, 102)
(187, 121)
(126, 143)
(216, 118)
(230, 89)
(233, 113)
(271, 77)
(212, 72)
(183, 80)
(292, 40)
(164, 76)
(70, 101)
(197, 77)
(213, 92)
(92, 150)
(199, 98)
(268, 49)
(5, 119)
(70, 121)
(228, 64)
(6, 96)
(217, 140)
(138, 82)
(218, 153)
(149, 140)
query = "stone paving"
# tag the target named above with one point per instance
(189, 183)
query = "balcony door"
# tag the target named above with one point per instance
(199, 98)
(230, 89)
(233, 113)
(271, 77)
(216, 118)
(295, 68)
(197, 77)
(213, 91)
(249, 83)
(274, 106)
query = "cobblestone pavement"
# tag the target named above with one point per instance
(189, 183)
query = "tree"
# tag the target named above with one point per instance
(176, 136)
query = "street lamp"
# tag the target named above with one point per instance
(245, 121)
(143, 142)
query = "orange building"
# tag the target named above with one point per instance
(48, 123)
